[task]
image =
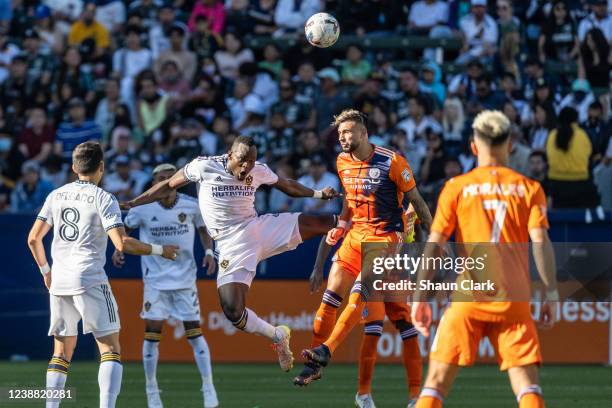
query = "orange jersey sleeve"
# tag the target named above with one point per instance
(445, 219)
(401, 173)
(537, 210)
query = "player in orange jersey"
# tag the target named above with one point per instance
(376, 181)
(492, 203)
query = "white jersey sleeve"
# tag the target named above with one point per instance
(133, 218)
(264, 174)
(46, 212)
(195, 169)
(110, 213)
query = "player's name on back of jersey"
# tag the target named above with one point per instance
(232, 191)
(75, 196)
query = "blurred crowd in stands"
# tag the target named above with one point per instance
(165, 81)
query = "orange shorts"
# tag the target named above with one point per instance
(349, 254)
(459, 333)
(395, 311)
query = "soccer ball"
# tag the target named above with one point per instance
(322, 30)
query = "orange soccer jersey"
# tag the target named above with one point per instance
(494, 205)
(374, 190)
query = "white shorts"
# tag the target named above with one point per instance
(96, 306)
(262, 238)
(181, 304)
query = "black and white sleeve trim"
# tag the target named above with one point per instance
(116, 225)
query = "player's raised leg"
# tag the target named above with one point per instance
(150, 357)
(232, 296)
(201, 354)
(111, 370)
(315, 225)
(57, 371)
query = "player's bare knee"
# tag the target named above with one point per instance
(234, 313)
(64, 347)
(109, 343)
(153, 326)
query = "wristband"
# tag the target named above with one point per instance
(157, 249)
(341, 224)
(45, 269)
(210, 252)
(552, 295)
(317, 194)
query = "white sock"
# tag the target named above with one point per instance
(259, 326)
(57, 372)
(150, 356)
(201, 353)
(109, 379)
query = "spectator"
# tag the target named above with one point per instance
(53, 171)
(16, 89)
(331, 101)
(291, 15)
(317, 178)
(464, 85)
(599, 18)
(172, 82)
(596, 59)
(277, 200)
(152, 107)
(185, 141)
(296, 114)
(279, 139)
(30, 193)
(264, 84)
(361, 16)
(75, 131)
(418, 121)
(87, 28)
(232, 55)
(242, 97)
(186, 59)
(10, 159)
(66, 9)
(203, 42)
(544, 122)
(480, 34)
(254, 125)
(519, 152)
(432, 165)
(579, 99)
(40, 64)
(427, 14)
(123, 183)
(261, 14)
(558, 40)
(485, 98)
(355, 69)
(507, 21)
(409, 87)
(212, 10)
(206, 102)
(36, 140)
(432, 82)
(369, 94)
(105, 111)
(602, 175)
(73, 74)
(453, 124)
(379, 129)
(120, 145)
(50, 33)
(272, 61)
(309, 146)
(7, 52)
(129, 61)
(538, 168)
(306, 83)
(598, 129)
(568, 149)
(159, 34)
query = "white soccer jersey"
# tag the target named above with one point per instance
(225, 201)
(168, 226)
(81, 213)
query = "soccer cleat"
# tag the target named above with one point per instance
(310, 373)
(319, 355)
(412, 403)
(210, 396)
(154, 400)
(364, 401)
(282, 348)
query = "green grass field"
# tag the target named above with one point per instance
(265, 386)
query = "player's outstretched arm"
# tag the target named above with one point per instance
(158, 191)
(124, 243)
(420, 207)
(316, 277)
(35, 238)
(118, 257)
(544, 258)
(294, 189)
